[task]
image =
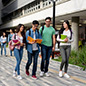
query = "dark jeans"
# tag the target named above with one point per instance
(46, 52)
(35, 59)
(65, 53)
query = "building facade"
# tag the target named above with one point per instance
(25, 11)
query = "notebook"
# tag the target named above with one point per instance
(63, 37)
(36, 40)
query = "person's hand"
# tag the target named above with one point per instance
(53, 49)
(4, 42)
(16, 43)
(32, 42)
(66, 39)
(22, 44)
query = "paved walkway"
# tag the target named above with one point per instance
(7, 65)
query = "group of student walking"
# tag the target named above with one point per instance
(47, 34)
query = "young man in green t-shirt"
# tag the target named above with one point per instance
(48, 45)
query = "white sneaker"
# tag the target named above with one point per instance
(42, 73)
(60, 74)
(19, 77)
(47, 74)
(14, 74)
(66, 75)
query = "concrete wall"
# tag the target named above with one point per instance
(69, 7)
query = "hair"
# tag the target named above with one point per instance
(23, 32)
(48, 18)
(3, 35)
(35, 22)
(12, 30)
(62, 28)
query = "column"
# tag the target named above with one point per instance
(75, 29)
(41, 4)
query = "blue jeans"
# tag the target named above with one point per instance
(10, 52)
(18, 54)
(46, 53)
(3, 45)
(35, 59)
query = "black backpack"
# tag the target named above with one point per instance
(42, 30)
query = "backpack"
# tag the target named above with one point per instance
(30, 31)
(11, 47)
(42, 30)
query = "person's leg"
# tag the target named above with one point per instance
(63, 54)
(43, 57)
(35, 59)
(68, 50)
(29, 60)
(10, 52)
(48, 54)
(1, 49)
(16, 54)
(21, 53)
(5, 49)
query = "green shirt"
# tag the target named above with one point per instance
(47, 34)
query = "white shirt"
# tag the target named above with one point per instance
(68, 33)
(34, 46)
(21, 39)
(3, 39)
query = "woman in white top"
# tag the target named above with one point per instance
(65, 46)
(3, 43)
(18, 51)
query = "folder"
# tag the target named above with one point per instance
(15, 41)
(63, 36)
(36, 40)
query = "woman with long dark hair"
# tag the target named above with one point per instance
(18, 51)
(65, 38)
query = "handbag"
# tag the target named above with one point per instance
(11, 47)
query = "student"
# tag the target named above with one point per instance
(10, 38)
(65, 47)
(33, 48)
(47, 46)
(18, 51)
(3, 43)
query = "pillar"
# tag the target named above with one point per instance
(75, 29)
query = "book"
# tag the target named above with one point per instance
(15, 41)
(36, 40)
(63, 36)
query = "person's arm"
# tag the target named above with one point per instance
(8, 38)
(60, 40)
(71, 40)
(27, 34)
(53, 43)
